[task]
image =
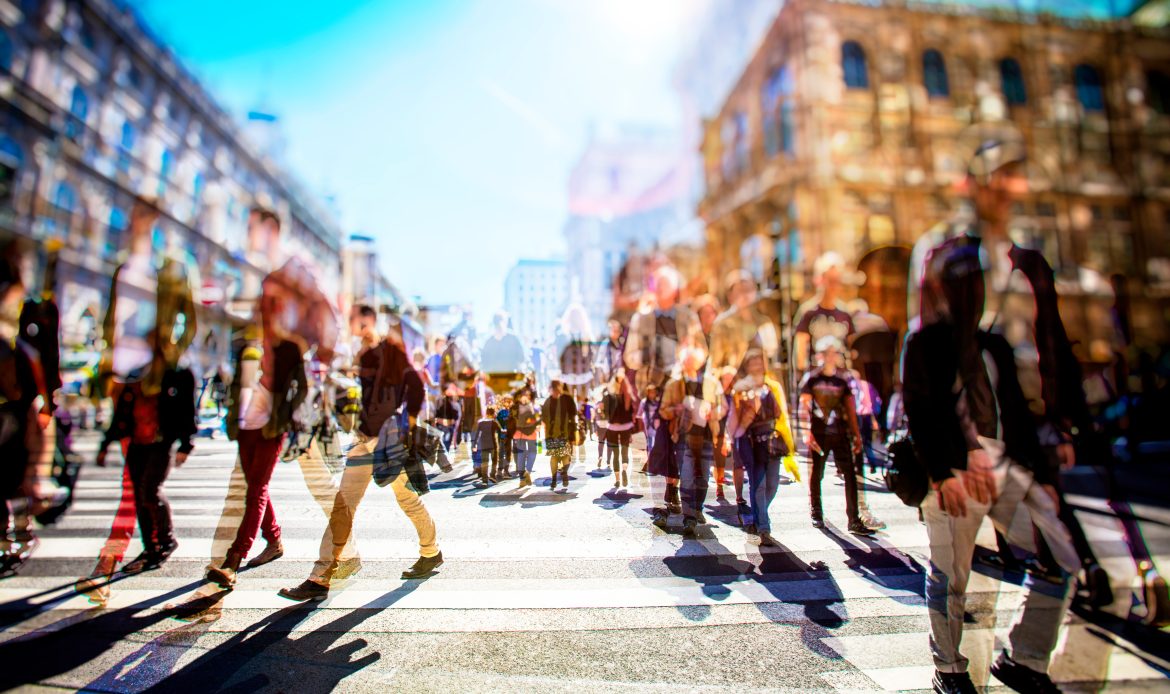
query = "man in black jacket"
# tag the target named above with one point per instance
(967, 379)
(391, 387)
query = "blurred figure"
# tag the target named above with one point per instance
(575, 352)
(559, 416)
(826, 403)
(619, 406)
(25, 433)
(526, 419)
(392, 396)
(502, 351)
(483, 442)
(707, 308)
(150, 322)
(294, 318)
(693, 404)
(648, 412)
(659, 329)
(742, 326)
(609, 356)
(966, 377)
(757, 425)
(824, 315)
(149, 425)
(448, 416)
(723, 453)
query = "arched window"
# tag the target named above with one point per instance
(853, 65)
(78, 112)
(1089, 90)
(934, 74)
(1013, 82)
(5, 51)
(1158, 91)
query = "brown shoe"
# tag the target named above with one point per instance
(101, 575)
(224, 575)
(271, 553)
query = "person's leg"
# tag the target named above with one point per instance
(747, 454)
(720, 469)
(137, 461)
(124, 519)
(771, 483)
(157, 469)
(338, 535)
(411, 505)
(816, 473)
(952, 544)
(319, 481)
(844, 458)
(258, 459)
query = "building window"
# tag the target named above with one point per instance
(61, 216)
(114, 233)
(11, 157)
(1158, 91)
(165, 167)
(778, 108)
(853, 65)
(126, 147)
(78, 112)
(5, 51)
(934, 74)
(1089, 91)
(1012, 78)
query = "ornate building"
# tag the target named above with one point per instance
(841, 134)
(94, 111)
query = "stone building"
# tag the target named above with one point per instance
(842, 134)
(94, 111)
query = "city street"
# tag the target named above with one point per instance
(540, 591)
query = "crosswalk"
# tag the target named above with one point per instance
(552, 573)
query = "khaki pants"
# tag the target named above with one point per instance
(359, 470)
(1021, 503)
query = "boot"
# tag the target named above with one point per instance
(526, 480)
(225, 574)
(625, 479)
(483, 475)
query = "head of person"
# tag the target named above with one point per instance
(491, 412)
(439, 345)
(523, 397)
(363, 322)
(667, 284)
(741, 288)
(996, 177)
(706, 307)
(754, 364)
(143, 216)
(652, 392)
(418, 358)
(264, 231)
(831, 352)
(691, 359)
(615, 329)
(499, 324)
(829, 271)
(554, 387)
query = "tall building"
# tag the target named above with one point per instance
(362, 279)
(842, 134)
(535, 294)
(95, 111)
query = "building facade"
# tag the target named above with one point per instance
(842, 134)
(96, 112)
(362, 279)
(535, 294)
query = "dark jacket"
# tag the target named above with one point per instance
(389, 382)
(290, 389)
(559, 414)
(176, 411)
(930, 365)
(21, 437)
(954, 280)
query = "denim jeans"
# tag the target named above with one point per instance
(763, 470)
(696, 455)
(524, 451)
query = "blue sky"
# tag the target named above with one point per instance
(446, 128)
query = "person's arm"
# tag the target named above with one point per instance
(414, 393)
(668, 408)
(632, 353)
(783, 426)
(851, 417)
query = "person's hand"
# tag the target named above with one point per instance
(726, 446)
(100, 460)
(856, 446)
(952, 497)
(180, 458)
(1067, 455)
(1050, 490)
(811, 444)
(978, 478)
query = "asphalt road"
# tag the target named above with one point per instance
(540, 591)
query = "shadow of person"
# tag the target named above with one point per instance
(266, 654)
(16, 611)
(615, 499)
(885, 565)
(533, 499)
(709, 564)
(43, 655)
(789, 579)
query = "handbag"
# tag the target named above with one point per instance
(777, 446)
(906, 476)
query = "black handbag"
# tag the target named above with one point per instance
(906, 476)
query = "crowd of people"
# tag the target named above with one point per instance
(993, 411)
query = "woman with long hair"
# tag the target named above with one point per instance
(620, 406)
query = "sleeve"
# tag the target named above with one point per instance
(414, 392)
(670, 398)
(190, 415)
(929, 401)
(632, 353)
(783, 426)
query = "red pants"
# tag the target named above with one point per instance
(257, 459)
(124, 519)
